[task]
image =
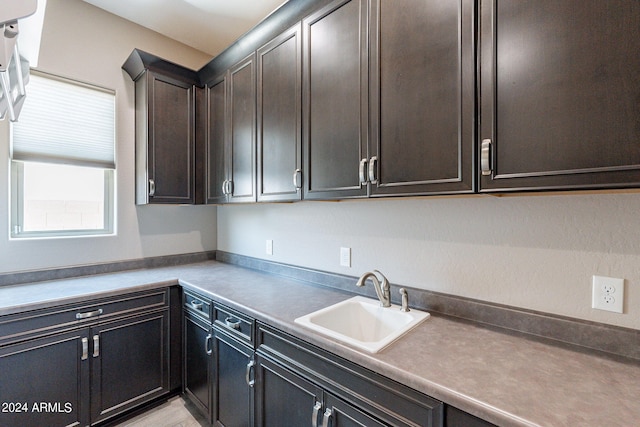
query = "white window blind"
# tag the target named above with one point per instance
(64, 122)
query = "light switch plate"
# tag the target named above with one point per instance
(608, 294)
(269, 248)
(345, 257)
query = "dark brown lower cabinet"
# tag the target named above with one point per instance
(218, 372)
(339, 413)
(233, 382)
(44, 382)
(80, 365)
(284, 397)
(288, 399)
(129, 365)
(297, 379)
(198, 353)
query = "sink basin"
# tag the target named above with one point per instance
(363, 323)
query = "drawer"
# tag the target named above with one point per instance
(127, 303)
(20, 326)
(234, 323)
(194, 303)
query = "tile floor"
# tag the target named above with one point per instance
(173, 413)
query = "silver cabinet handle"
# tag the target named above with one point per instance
(250, 381)
(326, 417)
(88, 314)
(373, 163)
(485, 157)
(362, 171)
(207, 345)
(232, 323)
(227, 187)
(96, 345)
(152, 188)
(297, 179)
(85, 348)
(196, 305)
(314, 416)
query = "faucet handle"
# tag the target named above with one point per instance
(405, 300)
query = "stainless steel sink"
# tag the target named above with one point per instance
(363, 323)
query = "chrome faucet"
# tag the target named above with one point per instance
(383, 290)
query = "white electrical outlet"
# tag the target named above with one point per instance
(269, 248)
(345, 257)
(608, 294)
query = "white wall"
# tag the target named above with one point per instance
(85, 43)
(535, 252)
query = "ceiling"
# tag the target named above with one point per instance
(206, 25)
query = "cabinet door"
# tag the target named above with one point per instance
(283, 398)
(335, 100)
(559, 94)
(279, 118)
(338, 413)
(45, 381)
(232, 389)
(422, 97)
(170, 142)
(129, 363)
(217, 142)
(198, 350)
(242, 131)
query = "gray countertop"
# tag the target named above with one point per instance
(504, 378)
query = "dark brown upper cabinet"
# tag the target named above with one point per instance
(335, 100)
(165, 98)
(231, 147)
(559, 94)
(217, 147)
(280, 118)
(242, 131)
(422, 97)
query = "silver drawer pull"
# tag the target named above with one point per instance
(232, 323)
(314, 415)
(327, 416)
(152, 188)
(96, 345)
(196, 305)
(250, 381)
(85, 348)
(207, 345)
(88, 314)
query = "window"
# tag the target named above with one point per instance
(62, 160)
